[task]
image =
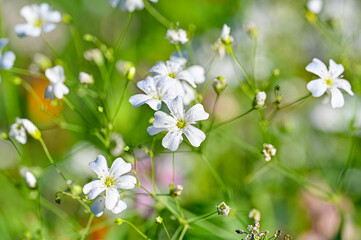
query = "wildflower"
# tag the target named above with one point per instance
(7, 59)
(179, 123)
(86, 78)
(129, 5)
(22, 126)
(255, 215)
(315, 6)
(158, 219)
(330, 79)
(259, 100)
(176, 36)
(40, 19)
(223, 209)
(56, 88)
(29, 178)
(269, 151)
(156, 89)
(106, 187)
(224, 41)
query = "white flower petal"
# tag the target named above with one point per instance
(119, 167)
(97, 208)
(55, 74)
(194, 135)
(91, 186)
(111, 198)
(147, 85)
(159, 68)
(138, 100)
(176, 108)
(3, 43)
(94, 192)
(317, 67)
(186, 76)
(345, 85)
(154, 104)
(100, 166)
(23, 30)
(172, 140)
(337, 99)
(317, 87)
(335, 69)
(153, 130)
(196, 113)
(48, 27)
(189, 93)
(7, 60)
(29, 126)
(126, 182)
(119, 207)
(163, 120)
(60, 90)
(198, 73)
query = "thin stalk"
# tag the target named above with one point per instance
(341, 178)
(214, 172)
(233, 119)
(165, 229)
(202, 217)
(16, 148)
(124, 33)
(176, 233)
(85, 233)
(183, 232)
(179, 51)
(254, 53)
(120, 101)
(136, 229)
(25, 72)
(47, 43)
(179, 207)
(248, 80)
(39, 215)
(159, 17)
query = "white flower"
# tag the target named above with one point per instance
(29, 178)
(223, 209)
(110, 180)
(7, 58)
(118, 144)
(56, 88)
(260, 99)
(179, 122)
(315, 6)
(156, 89)
(330, 79)
(22, 126)
(255, 215)
(226, 37)
(86, 78)
(268, 151)
(129, 5)
(176, 36)
(40, 18)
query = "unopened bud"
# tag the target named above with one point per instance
(259, 100)
(219, 84)
(177, 191)
(239, 231)
(88, 37)
(4, 135)
(58, 200)
(30, 179)
(252, 30)
(118, 221)
(158, 220)
(17, 81)
(288, 237)
(86, 78)
(67, 18)
(278, 233)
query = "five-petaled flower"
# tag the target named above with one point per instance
(107, 185)
(7, 59)
(179, 122)
(22, 126)
(330, 79)
(223, 209)
(56, 88)
(40, 19)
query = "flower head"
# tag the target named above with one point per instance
(129, 5)
(22, 126)
(223, 209)
(259, 100)
(255, 215)
(86, 78)
(268, 151)
(223, 41)
(107, 185)
(315, 6)
(179, 123)
(56, 88)
(7, 58)
(176, 36)
(29, 178)
(40, 19)
(330, 79)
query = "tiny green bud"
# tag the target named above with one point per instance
(276, 72)
(88, 37)
(17, 81)
(77, 189)
(58, 200)
(5, 135)
(219, 84)
(100, 109)
(158, 220)
(311, 17)
(118, 221)
(67, 18)
(127, 148)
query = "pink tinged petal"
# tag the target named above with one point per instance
(97, 208)
(111, 198)
(100, 166)
(126, 182)
(317, 87)
(198, 73)
(119, 167)
(163, 120)
(119, 207)
(194, 135)
(153, 130)
(91, 186)
(345, 85)
(335, 69)
(317, 67)
(60, 90)
(196, 113)
(172, 140)
(186, 76)
(176, 107)
(95, 192)
(138, 100)
(337, 99)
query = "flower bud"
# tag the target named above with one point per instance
(239, 231)
(219, 84)
(4, 136)
(177, 191)
(223, 209)
(259, 100)
(158, 220)
(118, 221)
(252, 30)
(131, 73)
(58, 200)
(88, 37)
(86, 78)
(268, 151)
(94, 55)
(67, 18)
(30, 179)
(17, 81)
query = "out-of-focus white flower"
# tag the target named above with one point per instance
(118, 144)
(176, 36)
(179, 122)
(107, 185)
(22, 126)
(156, 89)
(223, 209)
(329, 80)
(315, 6)
(7, 58)
(29, 178)
(40, 18)
(223, 41)
(268, 151)
(129, 5)
(56, 88)
(260, 99)
(255, 215)
(198, 73)
(86, 78)
(94, 55)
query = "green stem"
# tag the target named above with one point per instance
(124, 33)
(47, 43)
(248, 80)
(85, 233)
(176, 233)
(341, 178)
(25, 72)
(136, 229)
(214, 172)
(39, 215)
(183, 232)
(120, 101)
(254, 53)
(165, 229)
(16, 148)
(233, 119)
(159, 17)
(179, 51)
(202, 217)
(173, 171)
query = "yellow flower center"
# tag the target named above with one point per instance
(328, 82)
(156, 96)
(38, 22)
(181, 124)
(171, 75)
(109, 181)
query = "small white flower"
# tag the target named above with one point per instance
(226, 37)
(224, 40)
(86, 78)
(223, 209)
(330, 79)
(40, 18)
(22, 126)
(129, 5)
(56, 88)
(179, 122)
(156, 89)
(268, 151)
(29, 178)
(255, 215)
(176, 36)
(260, 99)
(315, 6)
(107, 185)
(7, 58)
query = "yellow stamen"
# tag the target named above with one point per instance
(181, 124)
(109, 181)
(38, 23)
